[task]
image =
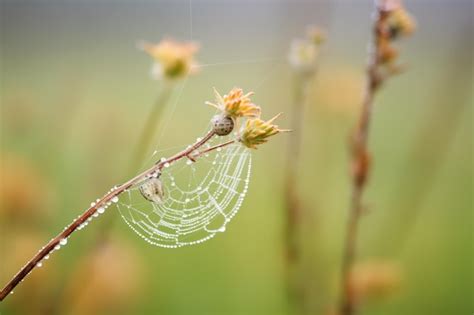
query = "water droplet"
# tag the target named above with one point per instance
(46, 257)
(115, 199)
(221, 229)
(63, 241)
(167, 164)
(92, 204)
(187, 200)
(101, 210)
(219, 149)
(57, 247)
(40, 264)
(189, 162)
(95, 215)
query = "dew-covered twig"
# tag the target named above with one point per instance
(96, 207)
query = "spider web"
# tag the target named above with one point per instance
(200, 198)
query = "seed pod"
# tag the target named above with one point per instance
(222, 125)
(153, 190)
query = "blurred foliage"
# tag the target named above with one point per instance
(75, 93)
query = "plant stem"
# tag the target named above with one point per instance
(115, 192)
(361, 162)
(292, 202)
(149, 129)
(224, 144)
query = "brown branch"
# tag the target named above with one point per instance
(108, 198)
(361, 157)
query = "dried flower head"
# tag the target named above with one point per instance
(395, 23)
(173, 60)
(257, 131)
(236, 104)
(401, 23)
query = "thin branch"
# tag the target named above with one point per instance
(291, 196)
(149, 129)
(361, 160)
(107, 199)
(224, 144)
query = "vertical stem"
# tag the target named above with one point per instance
(361, 163)
(149, 128)
(292, 202)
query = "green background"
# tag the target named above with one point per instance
(75, 92)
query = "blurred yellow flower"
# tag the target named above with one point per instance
(113, 267)
(173, 60)
(257, 131)
(303, 56)
(304, 53)
(316, 35)
(25, 192)
(236, 104)
(374, 279)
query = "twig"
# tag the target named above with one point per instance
(224, 144)
(361, 158)
(107, 199)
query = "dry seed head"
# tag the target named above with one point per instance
(222, 125)
(173, 60)
(256, 131)
(236, 104)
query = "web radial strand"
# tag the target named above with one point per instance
(200, 198)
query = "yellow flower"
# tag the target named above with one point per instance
(173, 60)
(257, 131)
(236, 104)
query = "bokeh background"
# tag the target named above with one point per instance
(75, 92)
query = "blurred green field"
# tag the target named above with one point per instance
(75, 93)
